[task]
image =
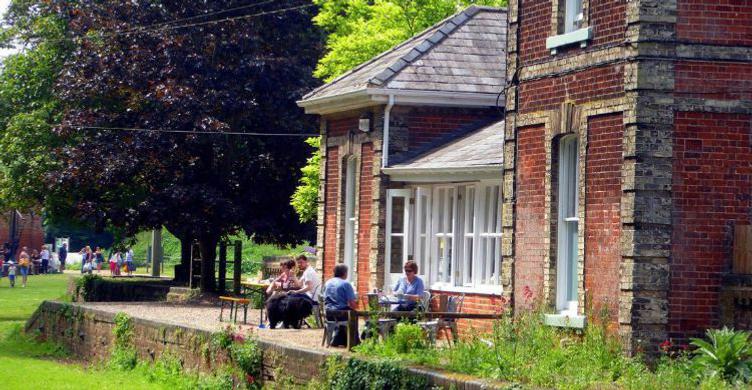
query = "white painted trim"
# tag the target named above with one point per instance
(580, 36)
(484, 290)
(385, 138)
(375, 96)
(439, 175)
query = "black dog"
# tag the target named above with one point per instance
(289, 309)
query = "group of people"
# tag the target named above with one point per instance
(25, 264)
(338, 293)
(119, 262)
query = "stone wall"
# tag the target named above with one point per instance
(87, 333)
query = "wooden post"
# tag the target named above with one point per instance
(222, 267)
(742, 263)
(353, 338)
(237, 267)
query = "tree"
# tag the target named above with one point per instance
(28, 106)
(306, 196)
(239, 75)
(357, 31)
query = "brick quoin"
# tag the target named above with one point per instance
(365, 198)
(530, 236)
(603, 212)
(428, 124)
(330, 210)
(713, 80)
(712, 192)
(722, 22)
(607, 19)
(605, 82)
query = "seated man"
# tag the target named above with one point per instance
(339, 295)
(409, 287)
(309, 282)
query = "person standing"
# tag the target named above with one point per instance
(24, 264)
(36, 263)
(98, 258)
(45, 255)
(12, 273)
(62, 254)
(129, 261)
(114, 261)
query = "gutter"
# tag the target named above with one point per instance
(385, 140)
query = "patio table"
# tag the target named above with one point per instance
(250, 288)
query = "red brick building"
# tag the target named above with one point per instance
(27, 229)
(412, 144)
(624, 176)
(630, 126)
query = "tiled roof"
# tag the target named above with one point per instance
(481, 148)
(463, 53)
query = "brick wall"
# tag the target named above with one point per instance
(341, 126)
(426, 124)
(330, 210)
(365, 199)
(603, 82)
(722, 22)
(714, 80)
(712, 191)
(474, 303)
(606, 17)
(602, 212)
(530, 237)
(30, 230)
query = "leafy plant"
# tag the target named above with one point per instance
(408, 338)
(726, 354)
(123, 354)
(374, 375)
(248, 356)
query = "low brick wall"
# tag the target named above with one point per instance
(87, 333)
(138, 289)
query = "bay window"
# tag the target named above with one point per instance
(452, 231)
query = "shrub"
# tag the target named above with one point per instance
(248, 356)
(408, 338)
(725, 354)
(374, 375)
(123, 354)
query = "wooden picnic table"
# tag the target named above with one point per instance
(256, 288)
(353, 338)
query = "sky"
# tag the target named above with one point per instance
(3, 7)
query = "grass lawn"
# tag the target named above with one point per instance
(26, 364)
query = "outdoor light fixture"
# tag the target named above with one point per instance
(364, 124)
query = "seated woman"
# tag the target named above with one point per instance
(410, 287)
(286, 279)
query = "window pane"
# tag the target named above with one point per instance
(398, 214)
(395, 261)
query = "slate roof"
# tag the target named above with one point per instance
(463, 53)
(483, 148)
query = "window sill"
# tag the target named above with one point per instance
(581, 36)
(564, 321)
(482, 290)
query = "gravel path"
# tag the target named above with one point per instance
(206, 317)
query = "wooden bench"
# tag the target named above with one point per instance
(234, 303)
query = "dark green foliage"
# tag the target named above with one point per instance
(94, 288)
(726, 353)
(408, 338)
(375, 375)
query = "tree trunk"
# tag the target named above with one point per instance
(208, 247)
(222, 267)
(182, 272)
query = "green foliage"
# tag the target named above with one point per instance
(358, 374)
(726, 354)
(248, 356)
(360, 29)
(408, 338)
(123, 354)
(86, 287)
(305, 198)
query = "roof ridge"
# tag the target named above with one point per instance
(422, 46)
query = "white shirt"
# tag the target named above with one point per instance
(45, 255)
(309, 275)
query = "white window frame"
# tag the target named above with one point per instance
(488, 234)
(572, 15)
(567, 264)
(448, 266)
(350, 217)
(390, 274)
(422, 232)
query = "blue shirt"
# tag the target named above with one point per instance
(405, 287)
(338, 293)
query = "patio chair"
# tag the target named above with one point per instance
(454, 305)
(318, 311)
(329, 327)
(431, 326)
